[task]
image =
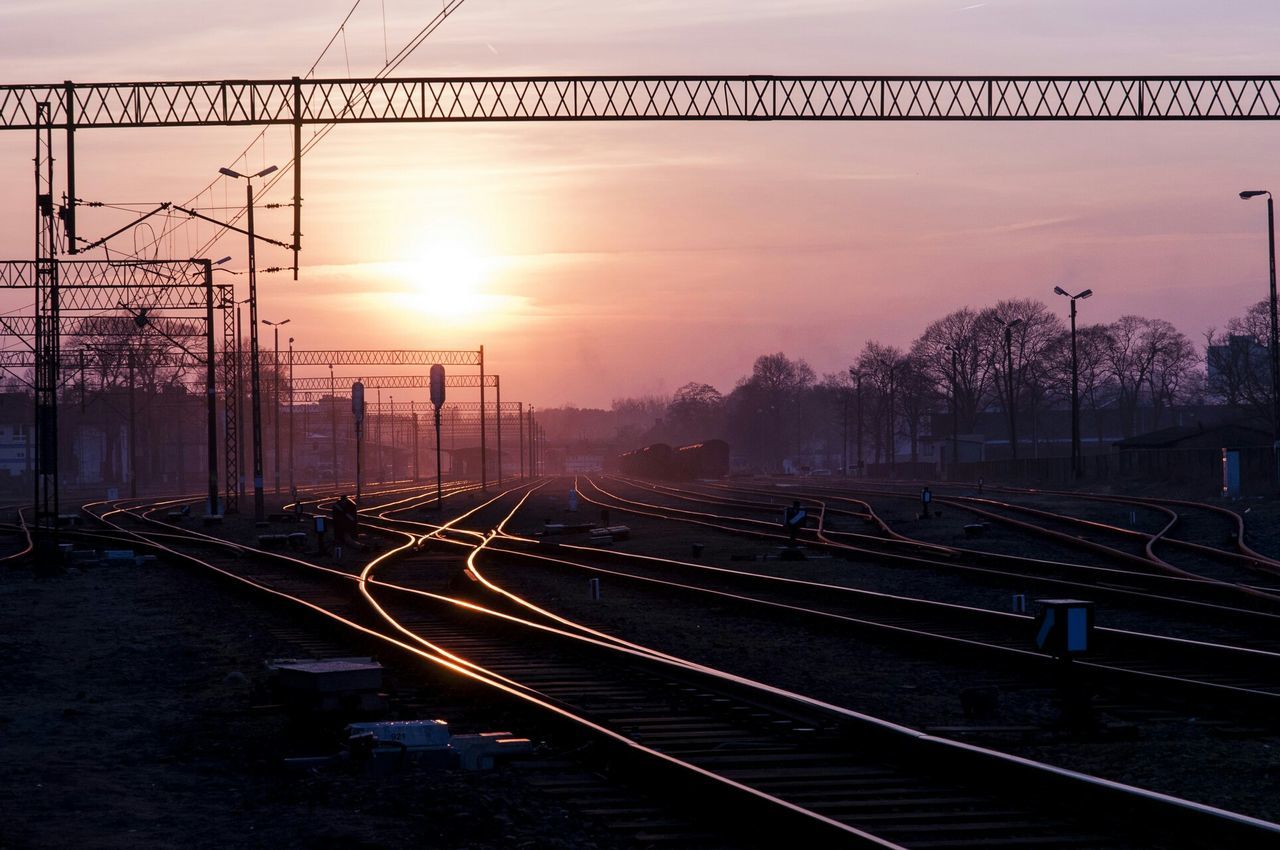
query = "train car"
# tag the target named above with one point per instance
(708, 459)
(654, 461)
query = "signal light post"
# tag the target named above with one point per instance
(357, 410)
(437, 401)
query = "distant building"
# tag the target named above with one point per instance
(16, 434)
(15, 447)
(583, 462)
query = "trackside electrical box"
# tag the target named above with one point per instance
(1064, 627)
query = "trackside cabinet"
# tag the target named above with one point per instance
(1064, 627)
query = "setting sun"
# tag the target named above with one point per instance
(447, 276)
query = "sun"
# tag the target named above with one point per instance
(446, 277)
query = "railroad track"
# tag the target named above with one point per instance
(754, 754)
(1138, 582)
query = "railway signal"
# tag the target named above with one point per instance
(437, 401)
(357, 410)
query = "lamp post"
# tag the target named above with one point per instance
(275, 327)
(1008, 359)
(1275, 344)
(955, 408)
(1075, 380)
(255, 376)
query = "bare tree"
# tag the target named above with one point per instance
(696, 412)
(1239, 368)
(1032, 335)
(765, 408)
(1173, 368)
(880, 366)
(974, 374)
(1144, 358)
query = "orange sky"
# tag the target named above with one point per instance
(597, 260)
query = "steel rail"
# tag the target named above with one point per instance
(934, 750)
(1147, 576)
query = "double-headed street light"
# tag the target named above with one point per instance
(255, 377)
(275, 326)
(1008, 358)
(1275, 344)
(1075, 380)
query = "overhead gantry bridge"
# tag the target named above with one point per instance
(69, 107)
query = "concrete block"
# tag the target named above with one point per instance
(480, 752)
(329, 677)
(410, 734)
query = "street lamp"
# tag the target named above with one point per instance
(1075, 380)
(955, 408)
(275, 326)
(1275, 344)
(1008, 359)
(255, 377)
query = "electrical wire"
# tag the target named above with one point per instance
(262, 133)
(450, 6)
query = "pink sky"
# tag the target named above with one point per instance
(612, 260)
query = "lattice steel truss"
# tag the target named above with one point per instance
(380, 357)
(311, 388)
(44, 346)
(467, 411)
(91, 297)
(751, 97)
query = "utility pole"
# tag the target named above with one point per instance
(333, 424)
(892, 437)
(844, 440)
(417, 453)
(955, 407)
(240, 476)
(292, 430)
(497, 391)
(275, 327)
(857, 378)
(1008, 357)
(133, 426)
(211, 391)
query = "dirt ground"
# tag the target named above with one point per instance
(127, 720)
(128, 715)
